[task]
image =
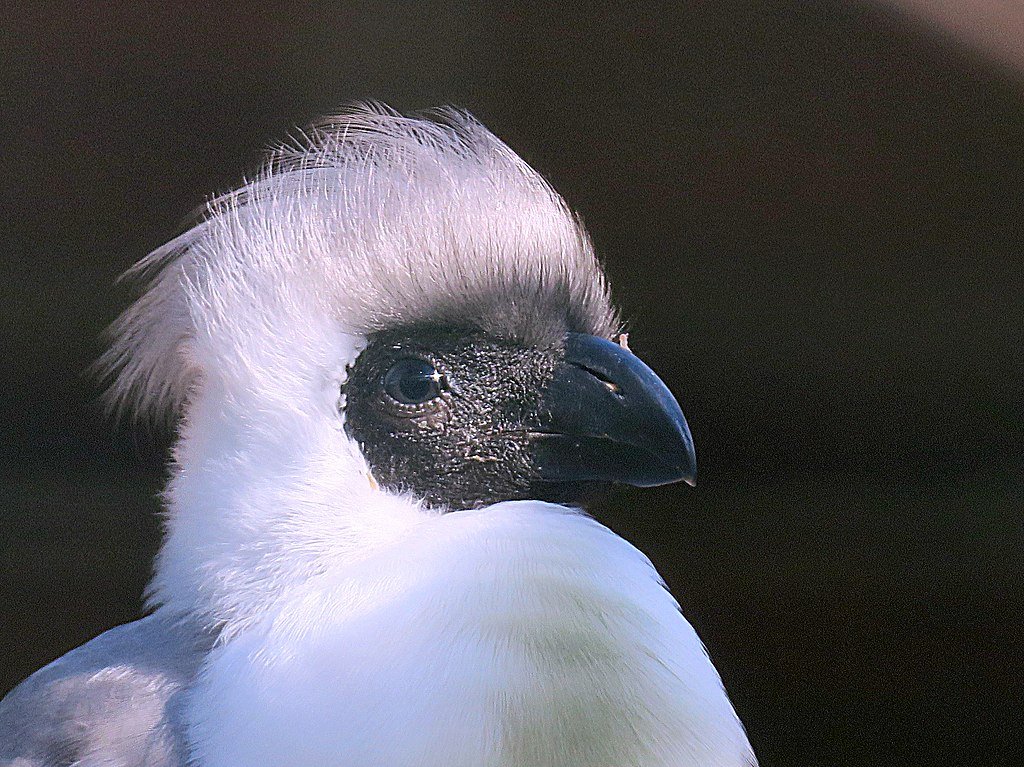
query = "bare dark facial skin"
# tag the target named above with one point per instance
(446, 415)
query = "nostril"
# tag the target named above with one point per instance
(609, 384)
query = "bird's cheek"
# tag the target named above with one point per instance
(424, 425)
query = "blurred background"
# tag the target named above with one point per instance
(811, 213)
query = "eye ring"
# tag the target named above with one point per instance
(412, 382)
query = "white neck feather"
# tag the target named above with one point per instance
(266, 493)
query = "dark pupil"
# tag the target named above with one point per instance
(411, 382)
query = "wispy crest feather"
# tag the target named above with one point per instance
(373, 220)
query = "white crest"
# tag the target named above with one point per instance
(374, 220)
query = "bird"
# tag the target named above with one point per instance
(396, 376)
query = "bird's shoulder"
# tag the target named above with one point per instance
(114, 700)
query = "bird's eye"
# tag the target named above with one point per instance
(412, 382)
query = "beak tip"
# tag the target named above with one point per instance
(687, 456)
(686, 471)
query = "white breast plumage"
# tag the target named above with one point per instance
(522, 635)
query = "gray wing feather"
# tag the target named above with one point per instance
(113, 702)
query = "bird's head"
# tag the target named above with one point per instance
(395, 319)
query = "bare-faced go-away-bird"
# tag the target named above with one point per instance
(395, 372)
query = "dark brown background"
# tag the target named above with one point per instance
(811, 211)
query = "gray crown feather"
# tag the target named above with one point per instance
(373, 220)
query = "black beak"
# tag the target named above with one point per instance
(607, 417)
